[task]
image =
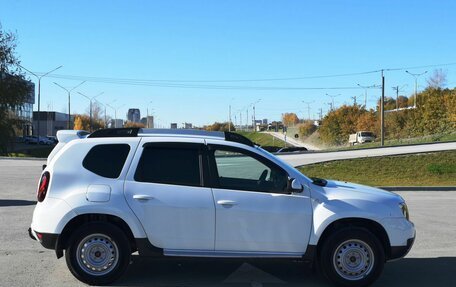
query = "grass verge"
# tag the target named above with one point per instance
(263, 139)
(427, 169)
(397, 142)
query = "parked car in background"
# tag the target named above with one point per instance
(38, 140)
(361, 137)
(53, 139)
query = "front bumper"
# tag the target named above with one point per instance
(47, 240)
(400, 251)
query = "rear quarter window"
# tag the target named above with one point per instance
(106, 160)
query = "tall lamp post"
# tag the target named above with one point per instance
(365, 92)
(254, 116)
(416, 84)
(115, 113)
(69, 100)
(39, 91)
(90, 112)
(332, 97)
(105, 115)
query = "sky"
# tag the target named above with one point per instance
(189, 61)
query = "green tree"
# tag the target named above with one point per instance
(290, 119)
(13, 88)
(307, 128)
(223, 127)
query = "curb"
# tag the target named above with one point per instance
(418, 188)
(23, 158)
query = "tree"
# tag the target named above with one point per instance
(290, 119)
(338, 124)
(13, 88)
(78, 125)
(438, 79)
(129, 124)
(223, 127)
(82, 122)
(307, 128)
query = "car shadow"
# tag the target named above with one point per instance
(16, 202)
(209, 272)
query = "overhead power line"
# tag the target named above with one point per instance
(199, 84)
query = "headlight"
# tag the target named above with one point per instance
(404, 210)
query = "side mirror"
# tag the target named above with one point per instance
(294, 185)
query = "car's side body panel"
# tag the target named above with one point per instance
(69, 185)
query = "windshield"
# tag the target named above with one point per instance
(367, 134)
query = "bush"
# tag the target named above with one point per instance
(307, 128)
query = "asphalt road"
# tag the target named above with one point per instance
(292, 141)
(314, 157)
(431, 262)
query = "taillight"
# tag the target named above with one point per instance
(43, 187)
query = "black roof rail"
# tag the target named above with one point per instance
(117, 132)
(235, 137)
(133, 132)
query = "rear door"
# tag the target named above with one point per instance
(166, 188)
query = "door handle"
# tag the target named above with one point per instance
(142, 197)
(227, 202)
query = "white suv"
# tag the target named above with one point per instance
(193, 193)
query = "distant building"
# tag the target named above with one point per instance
(115, 123)
(134, 115)
(188, 126)
(148, 122)
(24, 112)
(174, 125)
(265, 121)
(50, 122)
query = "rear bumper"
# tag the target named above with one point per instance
(47, 240)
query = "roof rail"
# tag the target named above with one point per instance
(134, 132)
(189, 132)
(117, 132)
(235, 137)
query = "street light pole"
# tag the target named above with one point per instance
(332, 97)
(254, 116)
(115, 113)
(69, 100)
(105, 115)
(382, 110)
(39, 91)
(416, 84)
(90, 112)
(365, 92)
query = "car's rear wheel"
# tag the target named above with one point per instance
(352, 257)
(98, 253)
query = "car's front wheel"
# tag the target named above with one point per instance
(352, 257)
(98, 253)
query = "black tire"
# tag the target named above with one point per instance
(365, 256)
(104, 242)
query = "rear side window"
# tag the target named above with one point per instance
(106, 160)
(180, 166)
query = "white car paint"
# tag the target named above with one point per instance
(207, 221)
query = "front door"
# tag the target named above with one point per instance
(254, 211)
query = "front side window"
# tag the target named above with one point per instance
(169, 165)
(106, 160)
(236, 169)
